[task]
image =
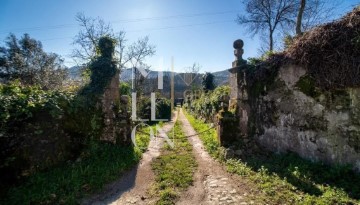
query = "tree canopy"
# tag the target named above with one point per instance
(24, 59)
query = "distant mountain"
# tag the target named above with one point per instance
(221, 77)
(182, 81)
(74, 72)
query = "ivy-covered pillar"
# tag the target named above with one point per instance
(104, 86)
(226, 124)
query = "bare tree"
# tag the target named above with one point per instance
(268, 16)
(88, 36)
(94, 28)
(138, 51)
(299, 17)
(314, 12)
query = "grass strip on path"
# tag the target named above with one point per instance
(287, 178)
(174, 168)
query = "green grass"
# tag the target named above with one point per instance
(209, 138)
(289, 179)
(174, 168)
(143, 136)
(100, 164)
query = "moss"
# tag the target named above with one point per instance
(341, 97)
(257, 89)
(307, 85)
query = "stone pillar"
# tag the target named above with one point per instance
(226, 124)
(238, 93)
(110, 102)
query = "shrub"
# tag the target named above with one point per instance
(163, 108)
(209, 103)
(31, 132)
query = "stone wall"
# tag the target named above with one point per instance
(117, 124)
(293, 115)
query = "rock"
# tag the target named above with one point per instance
(213, 185)
(223, 198)
(233, 191)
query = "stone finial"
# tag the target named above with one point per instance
(238, 44)
(239, 51)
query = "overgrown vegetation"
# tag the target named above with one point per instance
(66, 184)
(330, 52)
(23, 130)
(98, 164)
(174, 168)
(288, 178)
(162, 108)
(50, 139)
(207, 104)
(209, 138)
(291, 179)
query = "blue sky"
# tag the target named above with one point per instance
(202, 31)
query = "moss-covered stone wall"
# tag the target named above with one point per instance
(293, 115)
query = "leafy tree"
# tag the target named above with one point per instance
(26, 60)
(268, 16)
(208, 82)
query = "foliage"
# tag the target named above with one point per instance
(103, 67)
(256, 61)
(19, 103)
(329, 52)
(287, 178)
(208, 82)
(162, 108)
(209, 138)
(98, 165)
(142, 137)
(290, 179)
(23, 129)
(307, 85)
(125, 89)
(288, 40)
(24, 59)
(174, 168)
(208, 104)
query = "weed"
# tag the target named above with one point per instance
(174, 168)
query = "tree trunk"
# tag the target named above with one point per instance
(271, 43)
(299, 17)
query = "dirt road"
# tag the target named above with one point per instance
(132, 187)
(212, 184)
